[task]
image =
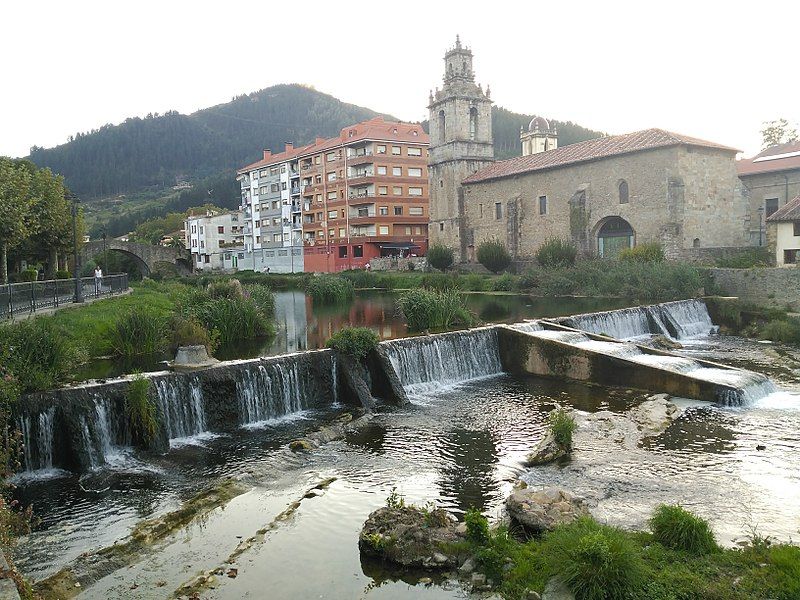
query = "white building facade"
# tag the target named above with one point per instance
(216, 241)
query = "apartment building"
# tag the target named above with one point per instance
(215, 240)
(365, 195)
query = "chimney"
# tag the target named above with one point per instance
(267, 154)
(288, 147)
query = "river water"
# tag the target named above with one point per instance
(457, 445)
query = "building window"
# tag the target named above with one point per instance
(397, 190)
(277, 237)
(542, 205)
(415, 191)
(380, 149)
(398, 210)
(415, 211)
(331, 233)
(201, 228)
(397, 171)
(623, 192)
(276, 204)
(341, 232)
(414, 172)
(498, 210)
(770, 206)
(383, 230)
(414, 151)
(332, 176)
(363, 211)
(383, 190)
(696, 243)
(381, 170)
(276, 220)
(342, 251)
(442, 127)
(441, 226)
(263, 190)
(417, 230)
(317, 179)
(358, 251)
(473, 122)
(384, 211)
(274, 187)
(408, 230)
(330, 156)
(796, 228)
(317, 159)
(480, 210)
(274, 171)
(283, 185)
(332, 195)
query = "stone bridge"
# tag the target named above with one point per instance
(148, 257)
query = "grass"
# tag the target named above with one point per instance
(330, 289)
(354, 341)
(677, 528)
(140, 410)
(428, 309)
(138, 332)
(562, 426)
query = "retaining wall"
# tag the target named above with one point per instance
(775, 287)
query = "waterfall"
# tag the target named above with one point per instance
(527, 326)
(690, 317)
(428, 363)
(37, 440)
(750, 386)
(567, 337)
(274, 389)
(613, 348)
(180, 401)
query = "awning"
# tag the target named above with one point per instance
(399, 246)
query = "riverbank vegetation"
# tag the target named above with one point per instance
(750, 320)
(600, 562)
(330, 289)
(354, 341)
(431, 309)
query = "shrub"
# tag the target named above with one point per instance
(140, 410)
(63, 274)
(643, 253)
(562, 426)
(40, 355)
(330, 289)
(190, 332)
(441, 281)
(138, 333)
(231, 319)
(225, 288)
(477, 527)
(474, 282)
(596, 562)
(556, 252)
(28, 275)
(354, 341)
(505, 283)
(493, 255)
(262, 297)
(677, 528)
(782, 330)
(428, 309)
(440, 257)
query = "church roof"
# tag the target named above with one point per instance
(604, 147)
(788, 212)
(783, 157)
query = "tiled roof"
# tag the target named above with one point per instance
(273, 159)
(783, 157)
(788, 212)
(603, 147)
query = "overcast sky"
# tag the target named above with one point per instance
(709, 69)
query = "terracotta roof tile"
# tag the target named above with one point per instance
(783, 157)
(788, 212)
(603, 147)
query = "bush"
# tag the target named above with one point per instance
(353, 341)
(782, 330)
(596, 562)
(441, 281)
(190, 332)
(63, 274)
(493, 255)
(40, 355)
(505, 283)
(138, 333)
(477, 527)
(677, 528)
(330, 289)
(226, 288)
(28, 275)
(562, 426)
(262, 297)
(746, 259)
(440, 257)
(140, 410)
(428, 309)
(643, 253)
(231, 319)
(556, 252)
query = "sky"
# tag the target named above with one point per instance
(709, 69)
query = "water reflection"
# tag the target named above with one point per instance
(468, 468)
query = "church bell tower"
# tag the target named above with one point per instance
(460, 122)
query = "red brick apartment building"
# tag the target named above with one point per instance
(365, 195)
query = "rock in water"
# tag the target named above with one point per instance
(546, 451)
(662, 342)
(543, 510)
(654, 416)
(411, 537)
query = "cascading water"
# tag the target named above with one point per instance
(527, 326)
(275, 389)
(180, 401)
(37, 440)
(429, 363)
(689, 317)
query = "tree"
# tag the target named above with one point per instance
(440, 257)
(15, 209)
(777, 132)
(493, 255)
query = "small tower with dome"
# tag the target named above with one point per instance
(540, 137)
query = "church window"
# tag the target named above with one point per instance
(442, 125)
(696, 243)
(542, 205)
(473, 122)
(441, 226)
(771, 205)
(623, 192)
(498, 210)
(480, 210)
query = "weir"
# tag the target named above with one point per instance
(84, 427)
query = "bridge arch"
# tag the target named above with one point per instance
(146, 256)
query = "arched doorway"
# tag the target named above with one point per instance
(615, 234)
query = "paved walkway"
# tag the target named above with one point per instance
(22, 315)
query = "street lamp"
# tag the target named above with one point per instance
(76, 260)
(105, 256)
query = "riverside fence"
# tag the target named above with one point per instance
(26, 298)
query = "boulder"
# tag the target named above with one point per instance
(543, 510)
(653, 416)
(662, 342)
(557, 590)
(546, 451)
(412, 537)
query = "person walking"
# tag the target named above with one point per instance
(98, 280)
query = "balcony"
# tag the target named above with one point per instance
(357, 159)
(361, 194)
(360, 175)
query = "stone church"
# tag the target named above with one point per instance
(604, 194)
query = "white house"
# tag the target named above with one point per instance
(784, 233)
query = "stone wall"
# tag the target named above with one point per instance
(775, 287)
(783, 185)
(416, 263)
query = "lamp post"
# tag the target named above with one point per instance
(105, 256)
(76, 260)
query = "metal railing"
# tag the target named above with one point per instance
(20, 298)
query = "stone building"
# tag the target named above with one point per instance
(461, 143)
(610, 193)
(771, 179)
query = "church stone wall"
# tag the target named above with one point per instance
(674, 196)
